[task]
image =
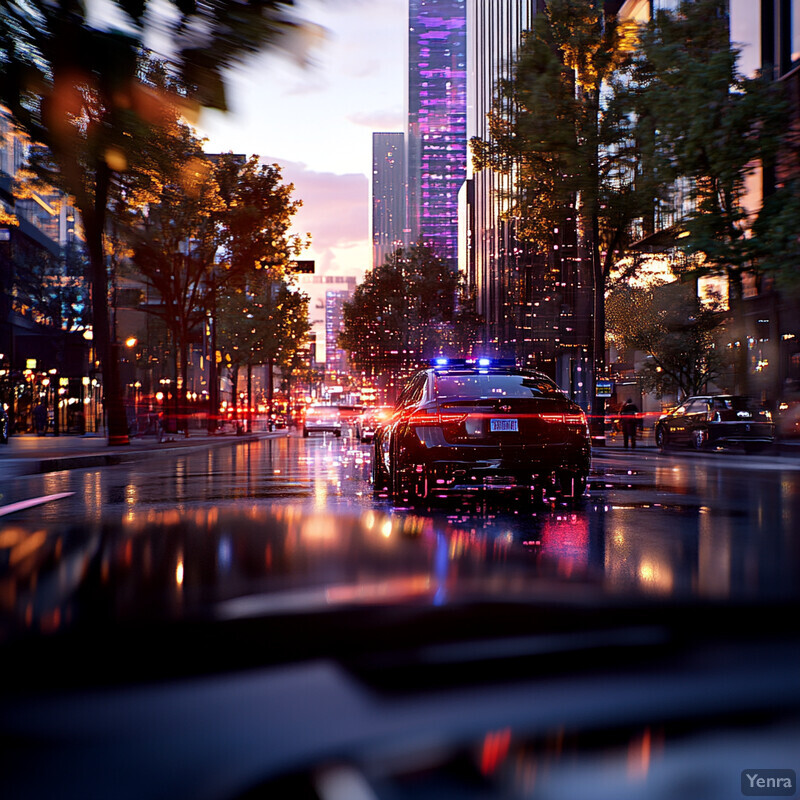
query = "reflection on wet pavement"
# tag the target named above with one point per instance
(308, 523)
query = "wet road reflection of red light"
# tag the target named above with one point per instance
(565, 539)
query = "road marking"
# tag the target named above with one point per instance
(34, 501)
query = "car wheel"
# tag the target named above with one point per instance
(573, 485)
(699, 438)
(401, 485)
(661, 439)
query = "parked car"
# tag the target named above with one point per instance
(476, 425)
(322, 419)
(3, 425)
(368, 421)
(713, 421)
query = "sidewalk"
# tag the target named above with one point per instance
(28, 454)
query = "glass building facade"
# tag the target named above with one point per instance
(495, 29)
(437, 138)
(388, 195)
(535, 305)
(335, 357)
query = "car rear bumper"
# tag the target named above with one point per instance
(738, 434)
(452, 470)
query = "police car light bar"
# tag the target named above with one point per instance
(484, 362)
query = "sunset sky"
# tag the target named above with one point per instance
(317, 121)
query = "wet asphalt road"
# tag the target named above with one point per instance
(712, 524)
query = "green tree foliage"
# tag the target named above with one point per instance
(401, 314)
(776, 231)
(78, 89)
(716, 127)
(258, 213)
(677, 334)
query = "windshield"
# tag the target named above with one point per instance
(737, 404)
(323, 411)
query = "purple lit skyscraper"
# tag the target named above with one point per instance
(437, 135)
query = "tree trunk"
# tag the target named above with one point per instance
(184, 388)
(249, 397)
(289, 399)
(106, 351)
(176, 371)
(741, 372)
(270, 364)
(235, 393)
(213, 378)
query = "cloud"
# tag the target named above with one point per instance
(335, 212)
(379, 120)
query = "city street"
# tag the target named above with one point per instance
(716, 524)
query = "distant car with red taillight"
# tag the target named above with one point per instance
(474, 425)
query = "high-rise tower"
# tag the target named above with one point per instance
(437, 139)
(388, 195)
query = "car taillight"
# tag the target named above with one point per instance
(568, 419)
(422, 418)
(554, 418)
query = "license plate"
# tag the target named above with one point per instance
(503, 425)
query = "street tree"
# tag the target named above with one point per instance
(257, 249)
(292, 356)
(718, 128)
(293, 359)
(264, 322)
(401, 314)
(562, 128)
(174, 242)
(678, 335)
(74, 84)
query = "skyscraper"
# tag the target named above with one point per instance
(388, 195)
(437, 139)
(335, 357)
(495, 28)
(535, 304)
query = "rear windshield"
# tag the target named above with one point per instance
(488, 386)
(323, 411)
(737, 404)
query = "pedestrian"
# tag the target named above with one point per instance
(40, 418)
(628, 415)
